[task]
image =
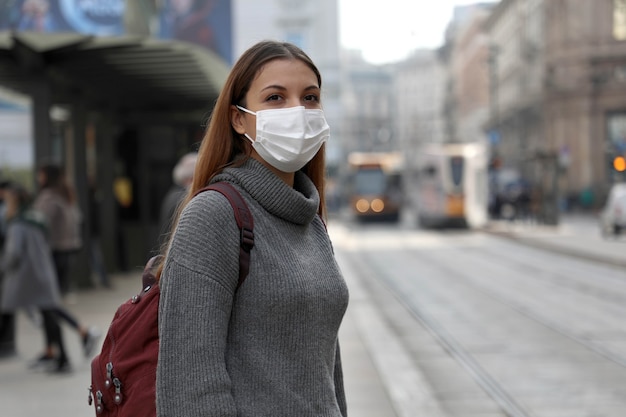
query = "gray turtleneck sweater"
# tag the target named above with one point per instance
(270, 348)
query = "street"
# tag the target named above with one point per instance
(452, 323)
(491, 326)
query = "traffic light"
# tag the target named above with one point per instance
(619, 163)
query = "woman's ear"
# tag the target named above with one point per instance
(237, 120)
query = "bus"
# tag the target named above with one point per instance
(449, 185)
(375, 185)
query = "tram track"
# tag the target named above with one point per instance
(563, 330)
(498, 392)
(601, 295)
(563, 277)
(489, 384)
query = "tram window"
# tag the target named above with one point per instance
(456, 166)
(370, 181)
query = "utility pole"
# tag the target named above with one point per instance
(493, 128)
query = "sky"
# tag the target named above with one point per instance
(387, 31)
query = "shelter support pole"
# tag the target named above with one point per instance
(77, 148)
(143, 180)
(105, 172)
(42, 126)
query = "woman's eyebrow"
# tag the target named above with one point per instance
(280, 87)
(274, 87)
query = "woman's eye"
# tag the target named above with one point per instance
(273, 97)
(311, 97)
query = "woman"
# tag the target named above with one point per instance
(56, 201)
(271, 346)
(29, 277)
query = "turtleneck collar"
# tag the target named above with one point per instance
(297, 205)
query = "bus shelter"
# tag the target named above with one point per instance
(114, 110)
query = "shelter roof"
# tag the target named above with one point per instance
(123, 73)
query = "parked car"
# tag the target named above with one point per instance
(511, 196)
(613, 215)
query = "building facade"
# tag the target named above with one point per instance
(558, 84)
(468, 76)
(419, 87)
(368, 104)
(585, 79)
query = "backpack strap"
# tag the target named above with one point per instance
(245, 223)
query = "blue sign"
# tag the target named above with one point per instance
(98, 17)
(494, 136)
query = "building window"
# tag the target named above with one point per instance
(616, 149)
(619, 19)
(617, 132)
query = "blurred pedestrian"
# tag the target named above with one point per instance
(7, 318)
(30, 280)
(269, 347)
(56, 201)
(182, 176)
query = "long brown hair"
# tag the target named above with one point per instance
(222, 146)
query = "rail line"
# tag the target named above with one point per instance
(491, 386)
(560, 278)
(563, 330)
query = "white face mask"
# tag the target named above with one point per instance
(289, 138)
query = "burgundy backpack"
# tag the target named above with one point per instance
(123, 374)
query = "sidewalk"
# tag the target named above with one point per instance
(576, 235)
(25, 393)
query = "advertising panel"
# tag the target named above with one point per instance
(202, 22)
(94, 17)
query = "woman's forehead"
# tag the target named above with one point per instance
(278, 71)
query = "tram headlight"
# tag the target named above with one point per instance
(362, 205)
(377, 205)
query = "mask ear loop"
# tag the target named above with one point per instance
(246, 110)
(249, 112)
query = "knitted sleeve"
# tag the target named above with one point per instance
(197, 287)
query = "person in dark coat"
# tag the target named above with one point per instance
(29, 273)
(182, 175)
